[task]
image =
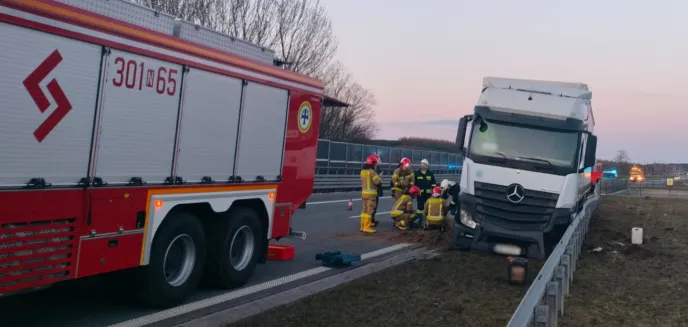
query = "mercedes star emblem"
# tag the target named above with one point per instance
(515, 193)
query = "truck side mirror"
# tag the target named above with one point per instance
(461, 133)
(590, 151)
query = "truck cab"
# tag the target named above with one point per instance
(527, 146)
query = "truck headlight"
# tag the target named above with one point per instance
(467, 220)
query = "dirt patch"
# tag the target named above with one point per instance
(621, 284)
(433, 239)
(453, 289)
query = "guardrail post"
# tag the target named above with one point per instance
(561, 292)
(566, 265)
(571, 262)
(552, 300)
(541, 316)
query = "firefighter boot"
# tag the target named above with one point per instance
(373, 222)
(401, 225)
(367, 227)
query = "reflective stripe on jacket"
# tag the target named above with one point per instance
(403, 205)
(434, 209)
(401, 179)
(369, 181)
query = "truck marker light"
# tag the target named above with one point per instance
(158, 204)
(271, 195)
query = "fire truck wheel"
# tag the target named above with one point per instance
(176, 262)
(234, 245)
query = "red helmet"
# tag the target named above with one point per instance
(377, 156)
(414, 190)
(405, 162)
(372, 159)
(436, 191)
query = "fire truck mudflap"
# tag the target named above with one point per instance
(127, 149)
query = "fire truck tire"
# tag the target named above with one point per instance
(176, 262)
(234, 245)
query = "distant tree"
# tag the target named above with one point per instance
(355, 123)
(621, 157)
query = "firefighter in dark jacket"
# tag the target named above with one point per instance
(379, 190)
(425, 180)
(451, 189)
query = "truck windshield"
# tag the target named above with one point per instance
(539, 146)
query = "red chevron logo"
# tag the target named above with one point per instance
(31, 83)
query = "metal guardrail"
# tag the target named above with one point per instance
(324, 183)
(543, 303)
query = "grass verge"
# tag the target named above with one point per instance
(620, 284)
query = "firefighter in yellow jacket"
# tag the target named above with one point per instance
(402, 213)
(402, 178)
(369, 181)
(435, 210)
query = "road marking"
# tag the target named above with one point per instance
(379, 213)
(339, 201)
(229, 296)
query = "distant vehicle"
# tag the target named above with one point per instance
(677, 177)
(610, 174)
(637, 175)
(594, 172)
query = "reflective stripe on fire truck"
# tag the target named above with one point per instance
(219, 198)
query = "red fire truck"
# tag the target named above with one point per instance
(131, 140)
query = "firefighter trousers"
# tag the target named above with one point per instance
(420, 201)
(404, 220)
(397, 193)
(377, 202)
(369, 203)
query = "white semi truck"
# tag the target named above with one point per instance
(526, 147)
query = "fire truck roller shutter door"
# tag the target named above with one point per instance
(257, 132)
(138, 122)
(49, 94)
(208, 128)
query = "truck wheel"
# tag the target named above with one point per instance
(235, 242)
(176, 262)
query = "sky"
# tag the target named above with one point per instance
(425, 60)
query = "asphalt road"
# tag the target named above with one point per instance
(95, 302)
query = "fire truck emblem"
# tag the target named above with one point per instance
(31, 83)
(305, 117)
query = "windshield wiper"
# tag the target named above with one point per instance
(501, 154)
(537, 159)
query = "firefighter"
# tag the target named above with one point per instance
(379, 190)
(425, 180)
(453, 189)
(402, 213)
(402, 178)
(435, 210)
(369, 181)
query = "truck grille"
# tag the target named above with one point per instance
(36, 253)
(533, 213)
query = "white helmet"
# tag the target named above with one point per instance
(425, 162)
(446, 184)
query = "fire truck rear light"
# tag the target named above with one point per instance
(158, 204)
